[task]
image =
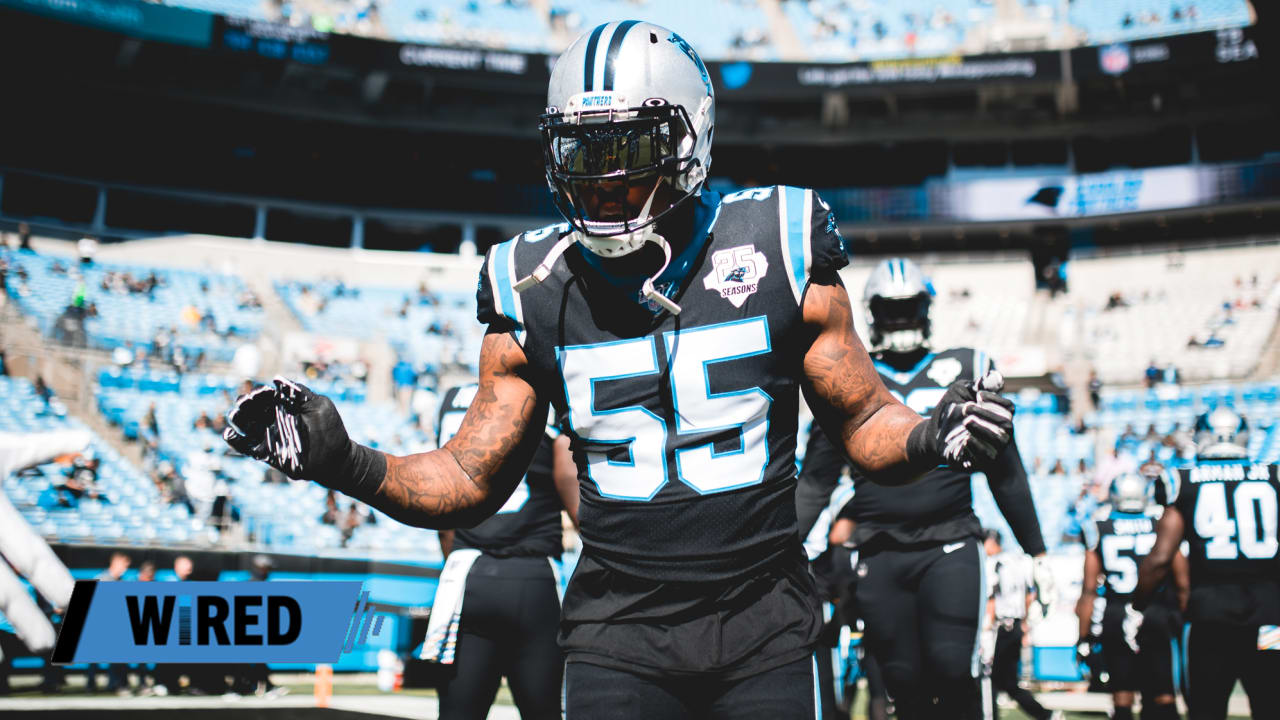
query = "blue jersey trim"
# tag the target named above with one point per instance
(794, 198)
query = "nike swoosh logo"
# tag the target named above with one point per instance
(952, 547)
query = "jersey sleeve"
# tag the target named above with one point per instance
(811, 243)
(828, 248)
(498, 304)
(1089, 528)
(1168, 486)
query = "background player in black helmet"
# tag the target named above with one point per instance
(672, 330)
(500, 588)
(1225, 507)
(1137, 651)
(921, 564)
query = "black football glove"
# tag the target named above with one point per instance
(969, 427)
(301, 434)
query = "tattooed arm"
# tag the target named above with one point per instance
(469, 478)
(845, 392)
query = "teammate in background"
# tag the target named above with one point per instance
(1137, 651)
(498, 608)
(672, 329)
(1009, 575)
(1225, 507)
(921, 564)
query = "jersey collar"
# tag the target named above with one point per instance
(705, 214)
(902, 377)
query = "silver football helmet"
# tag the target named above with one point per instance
(897, 300)
(1130, 493)
(627, 133)
(1222, 434)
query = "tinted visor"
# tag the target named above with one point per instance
(900, 313)
(607, 171)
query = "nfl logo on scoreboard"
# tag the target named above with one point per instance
(1114, 59)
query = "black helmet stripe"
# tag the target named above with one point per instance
(615, 43)
(589, 66)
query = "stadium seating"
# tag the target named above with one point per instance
(133, 319)
(429, 334)
(1109, 21)
(482, 23)
(282, 517)
(721, 29)
(131, 512)
(827, 30)
(1166, 300)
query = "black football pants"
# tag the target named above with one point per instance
(1217, 656)
(788, 692)
(922, 607)
(1004, 672)
(510, 617)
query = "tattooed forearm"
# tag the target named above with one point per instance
(469, 478)
(872, 425)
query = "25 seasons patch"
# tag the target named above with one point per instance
(736, 273)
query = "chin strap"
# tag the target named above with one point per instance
(651, 293)
(647, 290)
(543, 270)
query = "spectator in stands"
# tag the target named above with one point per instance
(1128, 438)
(1153, 373)
(147, 572)
(224, 515)
(1170, 375)
(1095, 389)
(203, 421)
(44, 392)
(1152, 435)
(116, 681)
(352, 520)
(182, 568)
(404, 378)
(331, 513)
(24, 236)
(82, 480)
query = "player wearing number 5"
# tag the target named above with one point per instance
(672, 330)
(1226, 508)
(1138, 648)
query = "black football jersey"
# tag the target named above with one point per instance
(938, 507)
(1230, 513)
(683, 426)
(1121, 540)
(528, 524)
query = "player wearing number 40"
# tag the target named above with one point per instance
(671, 329)
(1226, 508)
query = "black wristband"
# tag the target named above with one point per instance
(360, 473)
(922, 449)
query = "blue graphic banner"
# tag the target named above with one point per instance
(213, 622)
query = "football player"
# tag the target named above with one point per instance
(1225, 507)
(1138, 655)
(1011, 595)
(921, 566)
(672, 329)
(498, 608)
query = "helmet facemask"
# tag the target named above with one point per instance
(899, 325)
(617, 171)
(1130, 493)
(1222, 435)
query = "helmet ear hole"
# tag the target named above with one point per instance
(653, 38)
